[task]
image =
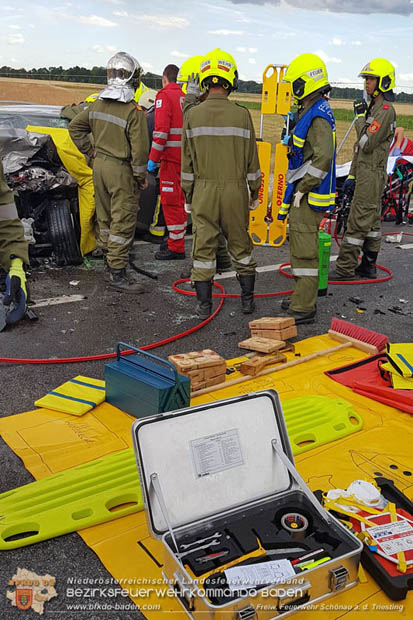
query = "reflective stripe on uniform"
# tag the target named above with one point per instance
(218, 131)
(8, 212)
(298, 141)
(316, 172)
(139, 169)
(157, 147)
(353, 241)
(175, 130)
(173, 143)
(373, 234)
(167, 189)
(363, 141)
(176, 236)
(176, 227)
(160, 134)
(321, 200)
(254, 176)
(297, 173)
(120, 240)
(304, 272)
(187, 176)
(208, 264)
(244, 261)
(110, 118)
(157, 230)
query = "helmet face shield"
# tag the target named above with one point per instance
(381, 69)
(298, 87)
(122, 68)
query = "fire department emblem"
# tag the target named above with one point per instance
(32, 591)
(24, 598)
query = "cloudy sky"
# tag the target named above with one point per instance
(345, 33)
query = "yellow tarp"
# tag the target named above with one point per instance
(75, 164)
(49, 442)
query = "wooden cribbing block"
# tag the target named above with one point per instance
(272, 322)
(204, 368)
(263, 345)
(276, 334)
(255, 364)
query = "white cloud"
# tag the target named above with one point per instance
(357, 43)
(327, 58)
(147, 66)
(15, 38)
(252, 50)
(242, 50)
(337, 41)
(100, 49)
(14, 27)
(120, 13)
(163, 21)
(283, 35)
(177, 54)
(226, 33)
(95, 20)
(251, 61)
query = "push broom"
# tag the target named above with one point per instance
(349, 335)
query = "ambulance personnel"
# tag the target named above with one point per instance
(368, 173)
(13, 256)
(219, 163)
(118, 158)
(166, 149)
(310, 192)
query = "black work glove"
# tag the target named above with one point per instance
(360, 108)
(348, 187)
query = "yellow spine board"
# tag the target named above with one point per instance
(258, 227)
(269, 90)
(278, 228)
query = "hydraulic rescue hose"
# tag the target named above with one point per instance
(222, 296)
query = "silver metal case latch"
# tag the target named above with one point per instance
(248, 613)
(338, 578)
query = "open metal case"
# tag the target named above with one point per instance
(221, 476)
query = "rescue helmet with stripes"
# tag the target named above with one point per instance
(219, 68)
(383, 70)
(122, 69)
(307, 74)
(190, 67)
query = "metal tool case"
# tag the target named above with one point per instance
(218, 481)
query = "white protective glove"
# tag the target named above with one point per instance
(193, 87)
(187, 208)
(297, 199)
(253, 204)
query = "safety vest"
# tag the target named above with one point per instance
(139, 91)
(321, 198)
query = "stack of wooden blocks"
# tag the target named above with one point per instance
(275, 328)
(205, 368)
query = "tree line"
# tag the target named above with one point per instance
(97, 75)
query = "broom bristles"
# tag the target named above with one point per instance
(360, 333)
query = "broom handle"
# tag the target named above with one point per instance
(267, 371)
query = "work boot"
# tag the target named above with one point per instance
(247, 293)
(337, 277)
(169, 255)
(367, 269)
(204, 298)
(303, 317)
(123, 280)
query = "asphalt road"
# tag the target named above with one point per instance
(95, 324)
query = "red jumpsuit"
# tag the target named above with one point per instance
(166, 148)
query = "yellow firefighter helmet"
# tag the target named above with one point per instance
(219, 69)
(307, 74)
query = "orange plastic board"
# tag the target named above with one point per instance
(124, 546)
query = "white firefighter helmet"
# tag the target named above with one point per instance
(147, 99)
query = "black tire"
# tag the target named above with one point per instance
(62, 233)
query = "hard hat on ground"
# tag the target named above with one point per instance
(147, 98)
(192, 66)
(219, 69)
(307, 74)
(123, 69)
(92, 97)
(383, 70)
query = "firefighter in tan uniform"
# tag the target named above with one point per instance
(368, 173)
(311, 176)
(13, 255)
(219, 163)
(119, 157)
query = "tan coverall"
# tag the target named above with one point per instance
(219, 163)
(12, 242)
(369, 167)
(304, 221)
(121, 142)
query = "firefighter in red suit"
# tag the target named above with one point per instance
(166, 149)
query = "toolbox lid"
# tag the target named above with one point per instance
(211, 458)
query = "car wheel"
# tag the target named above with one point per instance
(62, 233)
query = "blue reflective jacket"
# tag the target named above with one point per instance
(321, 198)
